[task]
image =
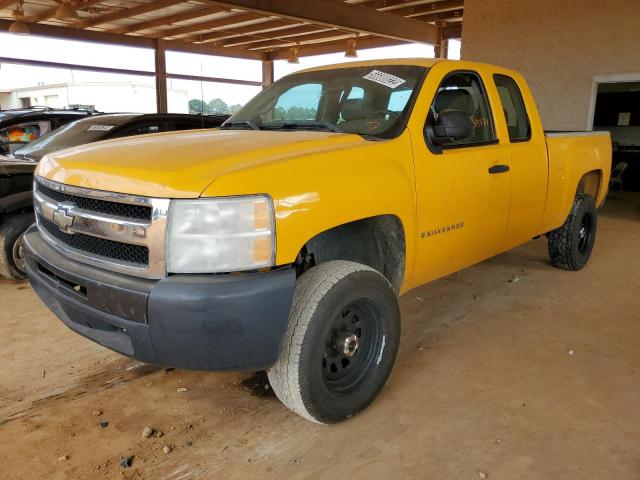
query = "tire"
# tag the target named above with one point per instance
(11, 259)
(341, 342)
(570, 246)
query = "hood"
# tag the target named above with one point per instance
(181, 164)
(14, 166)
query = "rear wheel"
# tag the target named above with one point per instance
(340, 344)
(11, 247)
(570, 246)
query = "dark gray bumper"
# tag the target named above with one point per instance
(199, 322)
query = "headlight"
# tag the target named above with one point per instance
(220, 235)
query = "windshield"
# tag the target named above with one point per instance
(372, 101)
(83, 131)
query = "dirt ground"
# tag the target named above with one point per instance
(508, 370)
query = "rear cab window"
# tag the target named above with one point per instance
(514, 108)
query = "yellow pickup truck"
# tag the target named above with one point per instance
(282, 240)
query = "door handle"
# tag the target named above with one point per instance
(498, 168)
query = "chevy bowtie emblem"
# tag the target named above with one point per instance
(63, 217)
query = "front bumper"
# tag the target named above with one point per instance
(198, 322)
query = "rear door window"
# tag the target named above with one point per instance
(515, 111)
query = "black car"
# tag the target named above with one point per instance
(21, 126)
(16, 170)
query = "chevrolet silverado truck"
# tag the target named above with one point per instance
(281, 241)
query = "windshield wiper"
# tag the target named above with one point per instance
(241, 123)
(309, 124)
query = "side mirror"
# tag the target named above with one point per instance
(452, 125)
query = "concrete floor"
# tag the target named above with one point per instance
(532, 379)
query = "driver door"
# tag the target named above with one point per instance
(463, 186)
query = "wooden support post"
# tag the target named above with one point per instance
(267, 73)
(161, 76)
(442, 47)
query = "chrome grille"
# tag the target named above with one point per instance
(139, 212)
(98, 246)
(118, 232)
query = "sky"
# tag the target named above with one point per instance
(65, 51)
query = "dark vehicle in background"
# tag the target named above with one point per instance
(21, 126)
(16, 170)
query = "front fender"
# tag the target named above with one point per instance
(316, 192)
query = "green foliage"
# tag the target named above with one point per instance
(294, 113)
(197, 106)
(217, 106)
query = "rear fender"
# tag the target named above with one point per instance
(576, 165)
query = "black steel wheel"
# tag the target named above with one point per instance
(352, 346)
(341, 342)
(586, 233)
(570, 246)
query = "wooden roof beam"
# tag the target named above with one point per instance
(225, 22)
(276, 43)
(454, 31)
(6, 3)
(242, 32)
(429, 8)
(50, 12)
(445, 16)
(289, 35)
(333, 47)
(342, 15)
(105, 38)
(168, 20)
(125, 13)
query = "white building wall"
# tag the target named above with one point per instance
(105, 97)
(6, 100)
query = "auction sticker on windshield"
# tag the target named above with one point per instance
(385, 79)
(100, 128)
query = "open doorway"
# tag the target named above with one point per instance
(616, 108)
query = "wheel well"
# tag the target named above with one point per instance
(378, 242)
(590, 183)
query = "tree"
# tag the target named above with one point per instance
(233, 109)
(218, 106)
(197, 106)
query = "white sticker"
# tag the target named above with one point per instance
(100, 128)
(385, 79)
(624, 119)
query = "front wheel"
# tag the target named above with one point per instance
(341, 342)
(11, 249)
(570, 246)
